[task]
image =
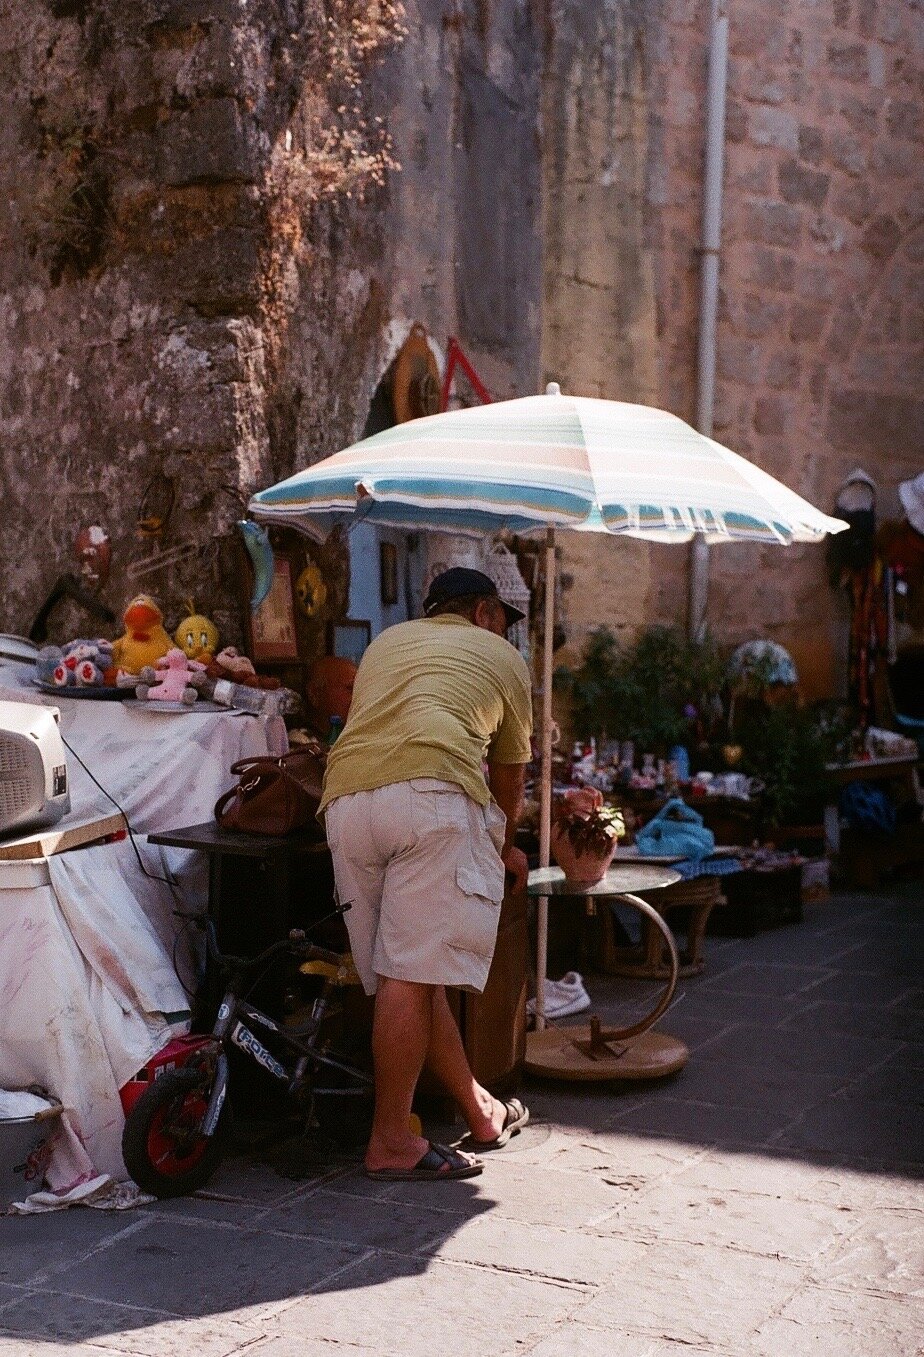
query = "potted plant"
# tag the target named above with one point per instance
(585, 833)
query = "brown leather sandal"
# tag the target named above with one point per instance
(439, 1162)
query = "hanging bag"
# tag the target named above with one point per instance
(676, 831)
(274, 795)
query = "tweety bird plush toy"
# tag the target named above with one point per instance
(197, 636)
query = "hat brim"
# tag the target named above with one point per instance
(513, 614)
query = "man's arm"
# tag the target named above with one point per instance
(507, 781)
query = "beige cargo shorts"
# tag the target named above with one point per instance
(419, 863)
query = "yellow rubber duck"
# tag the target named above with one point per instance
(144, 640)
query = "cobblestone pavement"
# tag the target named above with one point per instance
(766, 1202)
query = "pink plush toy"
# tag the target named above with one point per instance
(176, 679)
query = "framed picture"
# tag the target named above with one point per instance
(272, 626)
(348, 639)
(388, 573)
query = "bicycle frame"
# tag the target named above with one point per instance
(230, 1028)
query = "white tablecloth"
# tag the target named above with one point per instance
(88, 989)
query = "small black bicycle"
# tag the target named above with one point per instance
(173, 1141)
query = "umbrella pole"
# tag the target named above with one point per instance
(545, 792)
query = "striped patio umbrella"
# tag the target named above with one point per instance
(548, 461)
(539, 464)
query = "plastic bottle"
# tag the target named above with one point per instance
(681, 759)
(239, 696)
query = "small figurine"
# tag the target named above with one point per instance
(144, 641)
(310, 590)
(80, 663)
(174, 678)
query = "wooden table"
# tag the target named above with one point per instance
(556, 1052)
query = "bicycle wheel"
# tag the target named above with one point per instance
(162, 1144)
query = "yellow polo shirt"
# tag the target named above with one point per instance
(433, 699)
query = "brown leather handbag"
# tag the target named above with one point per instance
(274, 795)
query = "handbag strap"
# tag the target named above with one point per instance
(313, 750)
(279, 762)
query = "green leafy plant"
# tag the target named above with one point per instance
(648, 692)
(787, 747)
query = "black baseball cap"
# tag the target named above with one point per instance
(460, 582)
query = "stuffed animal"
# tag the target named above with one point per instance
(91, 660)
(47, 662)
(237, 668)
(144, 641)
(173, 679)
(80, 663)
(197, 636)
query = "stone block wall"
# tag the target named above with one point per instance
(208, 257)
(819, 357)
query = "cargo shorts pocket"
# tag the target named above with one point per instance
(477, 913)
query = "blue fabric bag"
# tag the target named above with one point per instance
(676, 830)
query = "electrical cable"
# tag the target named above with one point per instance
(167, 881)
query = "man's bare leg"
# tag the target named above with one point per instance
(401, 1035)
(446, 1059)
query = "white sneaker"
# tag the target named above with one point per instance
(563, 997)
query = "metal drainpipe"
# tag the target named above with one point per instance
(709, 282)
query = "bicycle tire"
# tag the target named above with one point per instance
(154, 1152)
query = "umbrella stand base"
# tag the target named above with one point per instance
(571, 1053)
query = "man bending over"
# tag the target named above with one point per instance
(420, 844)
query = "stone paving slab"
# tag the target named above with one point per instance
(62, 1320)
(762, 1085)
(193, 1267)
(693, 1293)
(801, 1046)
(776, 1173)
(804, 1232)
(824, 1323)
(518, 1193)
(392, 1225)
(884, 1254)
(418, 1307)
(581, 1340)
(35, 1250)
(880, 1128)
(776, 980)
(585, 1257)
(709, 1123)
(859, 1020)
